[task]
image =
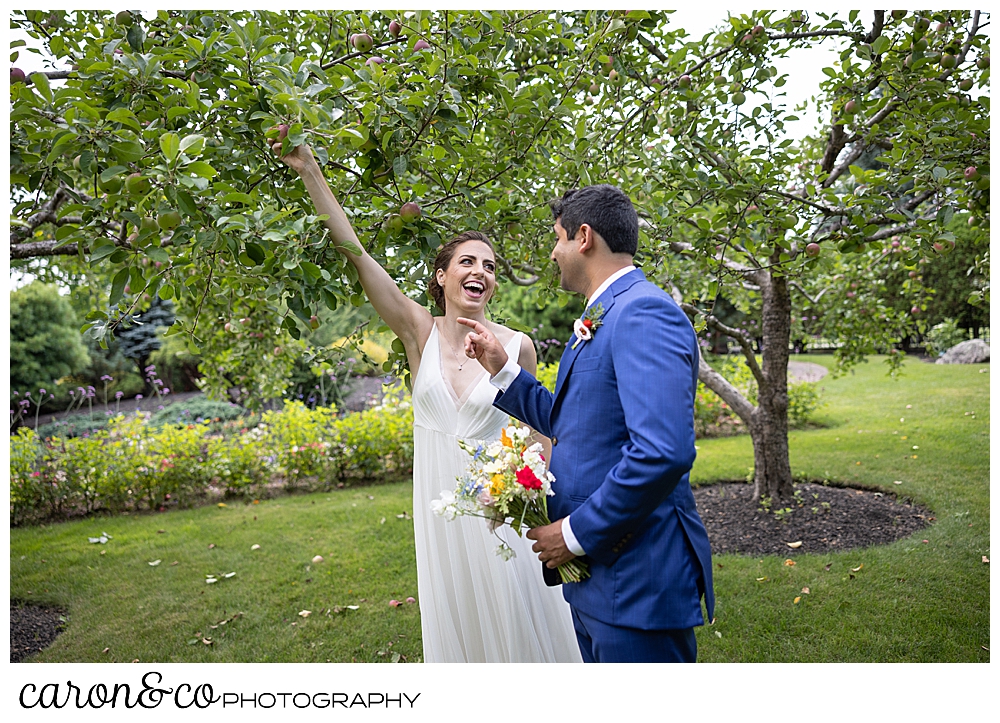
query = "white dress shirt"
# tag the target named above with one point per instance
(506, 376)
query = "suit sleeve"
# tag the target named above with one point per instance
(528, 400)
(655, 359)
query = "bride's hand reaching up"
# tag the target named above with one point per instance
(298, 159)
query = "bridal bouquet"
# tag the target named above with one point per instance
(506, 483)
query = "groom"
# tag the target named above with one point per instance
(621, 422)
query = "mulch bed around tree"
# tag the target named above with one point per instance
(734, 520)
(851, 518)
(32, 628)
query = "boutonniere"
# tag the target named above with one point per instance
(585, 326)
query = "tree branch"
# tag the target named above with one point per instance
(742, 339)
(515, 279)
(726, 391)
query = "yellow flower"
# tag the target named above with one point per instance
(505, 440)
(496, 488)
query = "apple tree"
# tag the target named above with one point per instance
(145, 152)
(792, 230)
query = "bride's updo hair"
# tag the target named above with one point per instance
(443, 261)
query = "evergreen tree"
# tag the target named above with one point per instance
(138, 341)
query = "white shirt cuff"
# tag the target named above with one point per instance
(570, 539)
(506, 376)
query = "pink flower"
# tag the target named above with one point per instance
(485, 498)
(410, 600)
(395, 603)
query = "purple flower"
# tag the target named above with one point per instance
(42, 392)
(150, 368)
(17, 394)
(138, 397)
(352, 360)
(158, 381)
(166, 391)
(28, 394)
(160, 407)
(107, 378)
(118, 395)
(72, 393)
(88, 389)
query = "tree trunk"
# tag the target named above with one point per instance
(769, 430)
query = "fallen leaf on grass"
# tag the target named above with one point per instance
(718, 634)
(160, 532)
(209, 580)
(370, 497)
(794, 545)
(404, 516)
(382, 521)
(229, 574)
(154, 563)
(254, 547)
(855, 569)
(925, 541)
(211, 545)
(175, 562)
(103, 551)
(762, 579)
(318, 559)
(805, 591)
(828, 566)
(305, 613)
(796, 601)
(106, 650)
(986, 560)
(789, 563)
(207, 641)
(223, 504)
(897, 481)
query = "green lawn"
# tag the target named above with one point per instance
(910, 601)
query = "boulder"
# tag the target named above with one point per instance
(973, 351)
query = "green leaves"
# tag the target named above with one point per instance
(170, 145)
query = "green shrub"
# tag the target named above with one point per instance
(76, 425)
(547, 374)
(195, 410)
(135, 464)
(942, 337)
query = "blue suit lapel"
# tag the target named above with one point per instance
(607, 300)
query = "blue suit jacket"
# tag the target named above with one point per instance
(621, 422)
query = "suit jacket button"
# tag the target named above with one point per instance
(555, 441)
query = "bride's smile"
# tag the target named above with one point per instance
(470, 278)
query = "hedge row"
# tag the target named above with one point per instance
(132, 465)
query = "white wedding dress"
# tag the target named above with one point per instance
(474, 606)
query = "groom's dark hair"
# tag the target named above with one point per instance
(605, 209)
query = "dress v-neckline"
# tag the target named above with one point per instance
(459, 401)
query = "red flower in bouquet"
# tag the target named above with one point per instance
(527, 479)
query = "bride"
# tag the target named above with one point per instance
(474, 606)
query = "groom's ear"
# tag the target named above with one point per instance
(586, 236)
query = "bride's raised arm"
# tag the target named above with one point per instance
(408, 320)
